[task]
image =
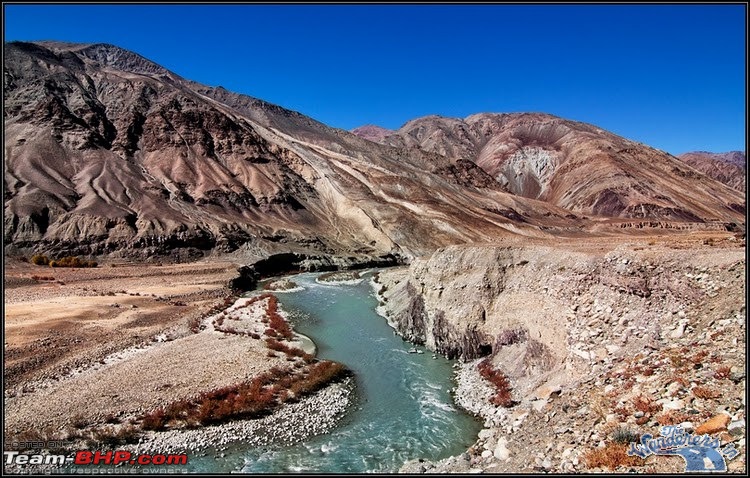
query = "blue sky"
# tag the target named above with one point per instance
(672, 77)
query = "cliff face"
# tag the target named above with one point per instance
(541, 310)
(586, 332)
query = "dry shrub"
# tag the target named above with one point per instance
(155, 420)
(646, 405)
(612, 456)
(677, 358)
(79, 421)
(111, 418)
(622, 412)
(111, 436)
(705, 392)
(276, 321)
(679, 379)
(502, 397)
(648, 371)
(42, 278)
(40, 260)
(72, 261)
(251, 399)
(672, 417)
(270, 332)
(723, 371)
(274, 344)
(600, 405)
(699, 357)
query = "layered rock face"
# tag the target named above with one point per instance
(574, 165)
(728, 168)
(529, 306)
(586, 332)
(107, 151)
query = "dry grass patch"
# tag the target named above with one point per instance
(612, 456)
(705, 392)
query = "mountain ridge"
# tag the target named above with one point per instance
(526, 151)
(108, 152)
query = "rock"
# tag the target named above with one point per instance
(538, 405)
(584, 355)
(674, 387)
(546, 391)
(714, 425)
(678, 332)
(486, 454)
(736, 428)
(501, 450)
(687, 426)
(638, 414)
(612, 348)
(675, 404)
(485, 433)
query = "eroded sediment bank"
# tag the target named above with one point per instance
(589, 337)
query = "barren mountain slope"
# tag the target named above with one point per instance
(108, 151)
(373, 133)
(576, 166)
(728, 168)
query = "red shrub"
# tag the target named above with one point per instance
(502, 397)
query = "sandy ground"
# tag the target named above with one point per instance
(72, 354)
(83, 315)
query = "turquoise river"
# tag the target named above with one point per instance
(403, 408)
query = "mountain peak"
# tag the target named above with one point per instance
(106, 54)
(372, 132)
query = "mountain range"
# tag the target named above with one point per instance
(108, 152)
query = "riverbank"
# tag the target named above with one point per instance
(105, 399)
(292, 423)
(600, 344)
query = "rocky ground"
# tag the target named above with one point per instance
(653, 334)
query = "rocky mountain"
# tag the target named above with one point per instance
(373, 133)
(574, 165)
(108, 152)
(728, 168)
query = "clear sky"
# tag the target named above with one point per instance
(673, 77)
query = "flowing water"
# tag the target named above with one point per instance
(403, 409)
